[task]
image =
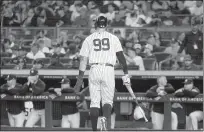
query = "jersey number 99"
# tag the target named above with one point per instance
(101, 44)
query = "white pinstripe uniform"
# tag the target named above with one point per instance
(101, 48)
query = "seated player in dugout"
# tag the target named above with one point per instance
(35, 86)
(86, 92)
(193, 111)
(157, 92)
(15, 109)
(69, 109)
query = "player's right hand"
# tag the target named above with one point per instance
(126, 79)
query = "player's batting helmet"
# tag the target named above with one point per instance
(101, 22)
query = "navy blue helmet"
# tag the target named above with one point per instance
(101, 22)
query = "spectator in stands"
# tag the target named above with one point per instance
(42, 35)
(133, 59)
(8, 16)
(6, 46)
(189, 65)
(31, 20)
(137, 48)
(12, 39)
(78, 39)
(117, 21)
(70, 111)
(173, 48)
(20, 62)
(75, 8)
(197, 10)
(38, 64)
(193, 44)
(182, 10)
(55, 63)
(15, 109)
(154, 39)
(117, 32)
(42, 47)
(181, 38)
(36, 86)
(193, 111)
(63, 18)
(134, 36)
(72, 52)
(148, 51)
(135, 19)
(156, 92)
(16, 51)
(35, 53)
(111, 13)
(63, 39)
(57, 49)
(41, 16)
(158, 5)
(83, 19)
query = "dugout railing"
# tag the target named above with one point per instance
(119, 97)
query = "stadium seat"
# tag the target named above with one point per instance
(3, 54)
(159, 49)
(5, 60)
(46, 60)
(162, 58)
(29, 61)
(150, 63)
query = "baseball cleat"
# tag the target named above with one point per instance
(103, 124)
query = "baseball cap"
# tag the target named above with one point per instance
(149, 46)
(33, 72)
(10, 77)
(137, 46)
(188, 81)
(187, 58)
(65, 81)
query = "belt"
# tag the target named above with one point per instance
(106, 64)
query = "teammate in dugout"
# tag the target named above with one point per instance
(14, 108)
(101, 49)
(193, 111)
(35, 86)
(70, 111)
(161, 89)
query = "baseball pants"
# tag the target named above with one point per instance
(34, 117)
(193, 119)
(16, 120)
(158, 120)
(101, 85)
(71, 121)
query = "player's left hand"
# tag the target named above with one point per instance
(126, 79)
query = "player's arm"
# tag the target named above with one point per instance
(120, 55)
(122, 61)
(84, 53)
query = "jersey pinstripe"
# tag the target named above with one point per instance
(101, 47)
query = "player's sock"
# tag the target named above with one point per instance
(107, 113)
(94, 114)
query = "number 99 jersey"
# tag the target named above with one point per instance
(101, 47)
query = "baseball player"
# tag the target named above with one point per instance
(14, 108)
(101, 49)
(70, 112)
(193, 111)
(36, 86)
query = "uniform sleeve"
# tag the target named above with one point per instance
(68, 90)
(169, 88)
(85, 49)
(191, 93)
(3, 89)
(151, 93)
(38, 88)
(118, 46)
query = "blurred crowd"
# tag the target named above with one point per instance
(82, 13)
(143, 50)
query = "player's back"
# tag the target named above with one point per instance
(102, 47)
